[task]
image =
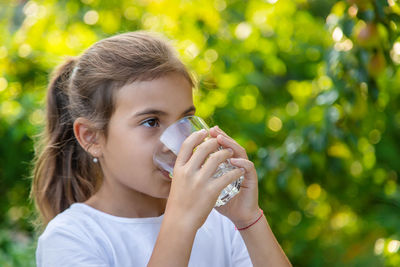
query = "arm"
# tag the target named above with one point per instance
(192, 197)
(174, 243)
(243, 210)
(263, 248)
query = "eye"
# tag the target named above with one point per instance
(151, 123)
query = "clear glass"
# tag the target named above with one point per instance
(170, 143)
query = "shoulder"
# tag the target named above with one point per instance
(71, 221)
(66, 237)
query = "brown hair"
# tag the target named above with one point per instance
(84, 87)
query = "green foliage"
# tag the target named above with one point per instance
(309, 88)
(16, 249)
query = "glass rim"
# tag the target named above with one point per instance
(189, 117)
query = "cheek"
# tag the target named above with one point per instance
(132, 145)
(142, 149)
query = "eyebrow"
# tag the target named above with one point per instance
(160, 112)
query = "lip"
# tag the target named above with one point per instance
(165, 174)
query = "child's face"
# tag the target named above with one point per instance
(127, 152)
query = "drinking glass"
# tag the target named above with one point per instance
(170, 143)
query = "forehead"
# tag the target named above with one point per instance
(168, 93)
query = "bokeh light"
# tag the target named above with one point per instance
(311, 90)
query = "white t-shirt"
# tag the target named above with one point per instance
(84, 236)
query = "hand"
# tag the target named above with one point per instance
(243, 208)
(193, 190)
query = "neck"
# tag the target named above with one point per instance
(141, 205)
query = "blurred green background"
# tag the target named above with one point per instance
(311, 88)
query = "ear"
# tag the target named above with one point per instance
(88, 136)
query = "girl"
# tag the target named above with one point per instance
(101, 198)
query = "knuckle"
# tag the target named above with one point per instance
(211, 189)
(187, 141)
(220, 155)
(238, 171)
(230, 151)
(193, 137)
(214, 156)
(226, 153)
(201, 148)
(227, 176)
(209, 144)
(196, 182)
(198, 133)
(186, 171)
(212, 142)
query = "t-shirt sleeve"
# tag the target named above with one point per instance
(240, 255)
(62, 248)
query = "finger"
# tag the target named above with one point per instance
(210, 166)
(221, 182)
(239, 151)
(202, 152)
(227, 141)
(215, 131)
(189, 145)
(247, 165)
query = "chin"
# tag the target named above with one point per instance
(166, 194)
(162, 192)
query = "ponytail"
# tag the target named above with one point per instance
(63, 172)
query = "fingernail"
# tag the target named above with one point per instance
(202, 131)
(243, 170)
(230, 150)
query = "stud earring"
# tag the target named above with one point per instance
(95, 160)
